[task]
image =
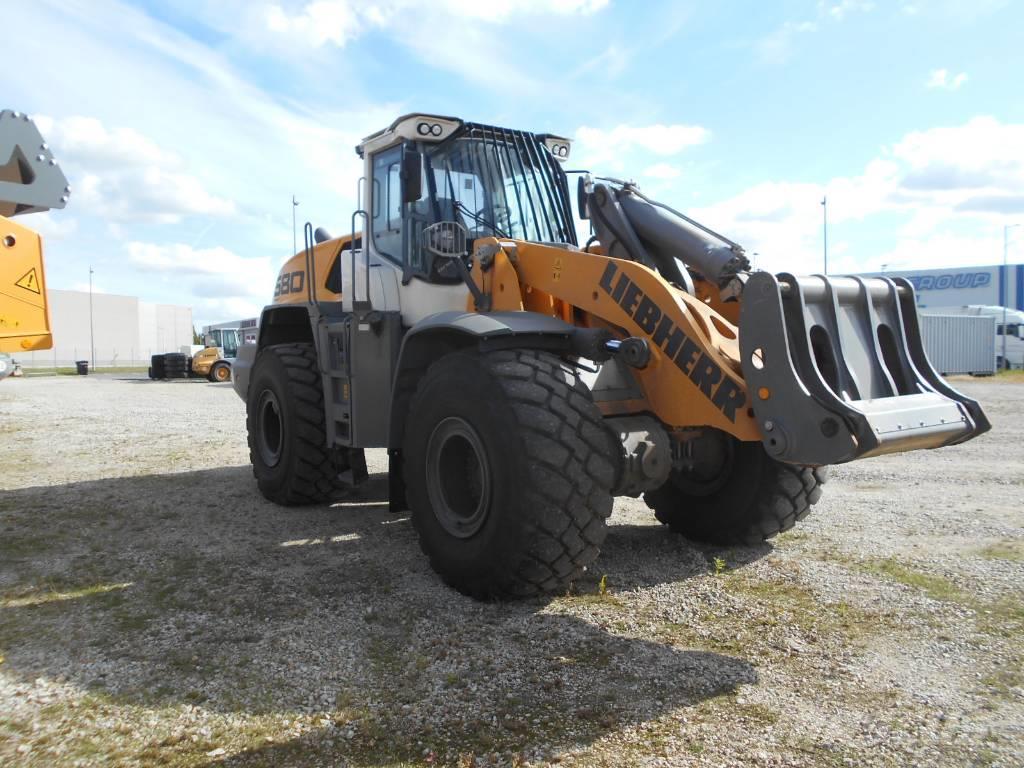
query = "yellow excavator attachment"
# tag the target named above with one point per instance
(30, 182)
(24, 319)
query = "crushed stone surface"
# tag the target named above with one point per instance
(156, 610)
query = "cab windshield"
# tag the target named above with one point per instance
(226, 339)
(497, 182)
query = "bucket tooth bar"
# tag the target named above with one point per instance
(837, 371)
(30, 179)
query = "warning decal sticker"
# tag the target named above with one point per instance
(29, 281)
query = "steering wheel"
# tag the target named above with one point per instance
(502, 216)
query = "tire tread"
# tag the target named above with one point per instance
(561, 434)
(315, 475)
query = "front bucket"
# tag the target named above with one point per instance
(836, 370)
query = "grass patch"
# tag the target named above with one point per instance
(1011, 549)
(1001, 618)
(792, 536)
(936, 587)
(42, 598)
(73, 371)
(602, 595)
(1014, 376)
(1003, 681)
(796, 604)
(773, 619)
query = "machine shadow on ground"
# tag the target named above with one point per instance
(190, 589)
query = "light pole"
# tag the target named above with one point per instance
(295, 242)
(824, 226)
(1003, 298)
(92, 343)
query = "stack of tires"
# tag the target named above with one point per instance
(156, 367)
(176, 366)
(173, 365)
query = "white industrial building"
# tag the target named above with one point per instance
(125, 330)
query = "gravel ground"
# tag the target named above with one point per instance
(155, 610)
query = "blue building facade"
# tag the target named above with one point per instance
(994, 285)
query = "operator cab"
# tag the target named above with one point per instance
(224, 338)
(436, 184)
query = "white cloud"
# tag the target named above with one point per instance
(120, 174)
(180, 260)
(441, 33)
(778, 45)
(608, 150)
(953, 187)
(839, 10)
(220, 283)
(320, 23)
(60, 228)
(339, 21)
(940, 78)
(953, 164)
(661, 171)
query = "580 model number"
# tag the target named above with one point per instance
(289, 282)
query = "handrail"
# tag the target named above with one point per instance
(365, 250)
(310, 263)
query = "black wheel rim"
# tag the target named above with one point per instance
(709, 466)
(458, 477)
(269, 429)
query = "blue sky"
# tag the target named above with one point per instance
(185, 127)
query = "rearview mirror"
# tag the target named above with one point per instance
(412, 176)
(581, 196)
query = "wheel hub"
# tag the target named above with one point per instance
(269, 429)
(704, 464)
(458, 477)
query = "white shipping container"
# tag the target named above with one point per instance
(960, 343)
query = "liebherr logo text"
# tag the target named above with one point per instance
(677, 346)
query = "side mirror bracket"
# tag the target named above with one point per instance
(412, 176)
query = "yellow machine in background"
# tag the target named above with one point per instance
(212, 360)
(30, 182)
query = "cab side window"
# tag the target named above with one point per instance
(386, 216)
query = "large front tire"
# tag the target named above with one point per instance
(508, 470)
(736, 494)
(286, 425)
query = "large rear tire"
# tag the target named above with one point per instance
(735, 493)
(509, 470)
(285, 421)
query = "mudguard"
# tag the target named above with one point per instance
(436, 334)
(837, 370)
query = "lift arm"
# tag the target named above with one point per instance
(821, 370)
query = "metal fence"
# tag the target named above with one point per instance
(67, 358)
